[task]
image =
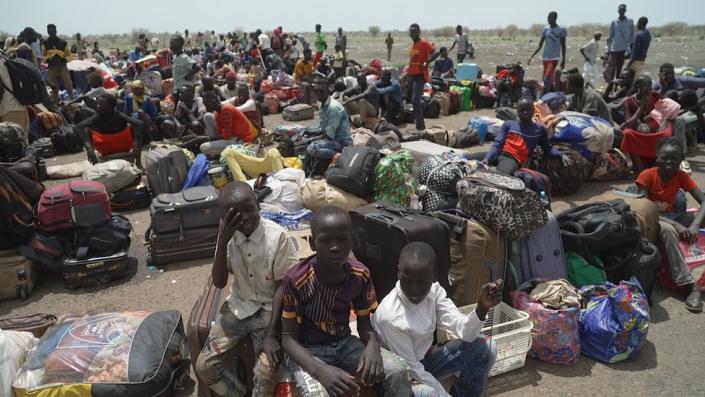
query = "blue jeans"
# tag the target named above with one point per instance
(324, 148)
(417, 84)
(472, 359)
(345, 355)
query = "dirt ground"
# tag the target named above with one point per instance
(670, 363)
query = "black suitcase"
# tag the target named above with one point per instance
(195, 207)
(178, 246)
(94, 271)
(381, 230)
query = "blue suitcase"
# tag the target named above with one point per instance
(466, 72)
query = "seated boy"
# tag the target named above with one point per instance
(335, 124)
(225, 125)
(665, 185)
(258, 253)
(443, 65)
(407, 319)
(517, 139)
(109, 132)
(319, 293)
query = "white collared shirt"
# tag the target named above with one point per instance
(257, 263)
(407, 329)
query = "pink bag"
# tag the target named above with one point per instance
(271, 102)
(555, 337)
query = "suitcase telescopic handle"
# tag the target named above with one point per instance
(382, 218)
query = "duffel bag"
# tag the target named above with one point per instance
(501, 202)
(535, 181)
(71, 204)
(567, 173)
(65, 140)
(595, 228)
(555, 337)
(126, 354)
(611, 166)
(354, 171)
(115, 175)
(318, 193)
(131, 198)
(615, 322)
(108, 239)
(438, 178)
(641, 261)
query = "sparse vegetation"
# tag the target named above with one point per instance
(374, 31)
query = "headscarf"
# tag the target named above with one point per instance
(137, 100)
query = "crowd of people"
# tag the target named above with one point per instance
(209, 89)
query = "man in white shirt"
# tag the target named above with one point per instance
(408, 316)
(258, 253)
(263, 40)
(463, 43)
(589, 52)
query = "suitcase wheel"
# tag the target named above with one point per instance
(22, 292)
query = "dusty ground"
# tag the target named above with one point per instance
(670, 363)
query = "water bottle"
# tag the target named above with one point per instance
(544, 200)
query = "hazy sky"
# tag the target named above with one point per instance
(101, 16)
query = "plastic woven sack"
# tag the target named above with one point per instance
(615, 323)
(108, 354)
(555, 337)
(394, 182)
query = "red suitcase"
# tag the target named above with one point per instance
(76, 203)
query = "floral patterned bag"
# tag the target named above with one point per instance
(614, 325)
(555, 337)
(394, 181)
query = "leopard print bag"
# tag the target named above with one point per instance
(502, 203)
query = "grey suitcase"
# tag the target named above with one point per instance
(423, 148)
(183, 245)
(540, 255)
(298, 112)
(166, 167)
(192, 208)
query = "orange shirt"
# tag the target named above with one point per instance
(418, 54)
(233, 123)
(650, 179)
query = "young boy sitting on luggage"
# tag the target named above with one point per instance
(665, 184)
(258, 253)
(407, 319)
(517, 139)
(319, 294)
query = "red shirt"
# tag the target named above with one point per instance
(233, 123)
(658, 192)
(418, 54)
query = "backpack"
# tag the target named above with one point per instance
(276, 42)
(11, 142)
(27, 82)
(354, 171)
(432, 108)
(16, 222)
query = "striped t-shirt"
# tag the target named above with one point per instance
(322, 311)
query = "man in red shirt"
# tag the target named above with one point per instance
(421, 53)
(225, 125)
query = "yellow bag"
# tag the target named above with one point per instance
(317, 193)
(293, 162)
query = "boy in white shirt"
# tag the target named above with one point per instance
(407, 318)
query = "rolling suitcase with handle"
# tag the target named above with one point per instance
(382, 229)
(166, 167)
(17, 275)
(201, 319)
(540, 255)
(177, 246)
(298, 112)
(478, 255)
(195, 207)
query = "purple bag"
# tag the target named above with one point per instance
(555, 337)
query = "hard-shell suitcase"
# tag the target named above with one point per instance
(192, 208)
(183, 245)
(381, 230)
(540, 255)
(94, 271)
(17, 275)
(478, 256)
(466, 72)
(166, 167)
(423, 148)
(298, 112)
(199, 323)
(36, 324)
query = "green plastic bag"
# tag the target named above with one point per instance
(581, 273)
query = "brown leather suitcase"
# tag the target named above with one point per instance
(200, 319)
(37, 324)
(17, 275)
